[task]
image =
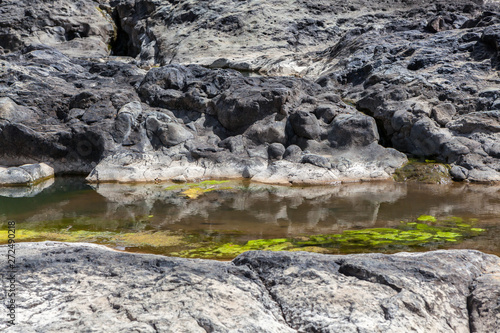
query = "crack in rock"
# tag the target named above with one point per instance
(360, 273)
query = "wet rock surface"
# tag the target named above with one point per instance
(80, 287)
(379, 79)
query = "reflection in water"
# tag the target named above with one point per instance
(252, 211)
(25, 191)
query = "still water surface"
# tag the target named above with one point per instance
(242, 211)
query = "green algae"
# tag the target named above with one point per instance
(131, 239)
(408, 235)
(231, 250)
(424, 232)
(194, 190)
(426, 218)
(202, 184)
(428, 172)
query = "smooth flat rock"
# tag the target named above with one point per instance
(82, 287)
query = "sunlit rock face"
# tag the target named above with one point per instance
(123, 98)
(442, 291)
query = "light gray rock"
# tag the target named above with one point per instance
(376, 292)
(483, 303)
(27, 174)
(11, 111)
(80, 287)
(443, 113)
(96, 289)
(14, 176)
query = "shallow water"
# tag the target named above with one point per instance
(151, 218)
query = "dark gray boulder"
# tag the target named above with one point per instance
(305, 125)
(293, 153)
(186, 121)
(275, 151)
(353, 130)
(411, 79)
(317, 160)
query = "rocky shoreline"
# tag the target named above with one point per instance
(280, 91)
(151, 90)
(82, 287)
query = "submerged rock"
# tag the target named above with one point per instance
(442, 291)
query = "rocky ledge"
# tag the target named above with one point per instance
(65, 287)
(114, 89)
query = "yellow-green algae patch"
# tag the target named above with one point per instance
(406, 235)
(425, 231)
(426, 218)
(231, 250)
(132, 239)
(194, 190)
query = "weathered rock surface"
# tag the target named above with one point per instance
(422, 74)
(431, 88)
(26, 174)
(81, 287)
(81, 29)
(177, 121)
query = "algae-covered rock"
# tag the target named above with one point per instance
(428, 172)
(194, 190)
